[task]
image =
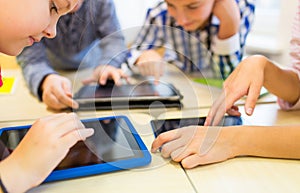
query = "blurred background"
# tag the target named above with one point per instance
(270, 34)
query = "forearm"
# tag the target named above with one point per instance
(263, 141)
(227, 29)
(229, 18)
(10, 172)
(283, 83)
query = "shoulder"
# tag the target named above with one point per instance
(246, 5)
(159, 10)
(97, 5)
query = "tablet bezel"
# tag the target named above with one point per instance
(99, 168)
(155, 129)
(78, 96)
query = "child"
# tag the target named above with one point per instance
(185, 145)
(205, 36)
(91, 30)
(23, 22)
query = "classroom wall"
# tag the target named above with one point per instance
(271, 32)
(132, 14)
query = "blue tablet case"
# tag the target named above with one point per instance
(136, 153)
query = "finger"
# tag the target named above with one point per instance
(225, 103)
(213, 115)
(193, 161)
(89, 80)
(251, 99)
(164, 138)
(170, 147)
(180, 153)
(53, 123)
(52, 101)
(74, 136)
(67, 89)
(64, 99)
(67, 123)
(233, 112)
(103, 78)
(50, 118)
(116, 77)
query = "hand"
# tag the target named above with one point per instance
(227, 11)
(44, 146)
(150, 63)
(57, 92)
(196, 145)
(104, 72)
(246, 79)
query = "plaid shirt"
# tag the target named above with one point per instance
(197, 50)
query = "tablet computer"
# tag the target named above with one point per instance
(162, 125)
(114, 146)
(128, 96)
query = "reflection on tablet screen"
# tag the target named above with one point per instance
(112, 141)
(144, 89)
(160, 126)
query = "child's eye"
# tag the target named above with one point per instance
(193, 7)
(53, 7)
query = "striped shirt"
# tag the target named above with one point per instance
(197, 50)
(295, 57)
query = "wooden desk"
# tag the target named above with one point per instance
(237, 175)
(248, 174)
(22, 105)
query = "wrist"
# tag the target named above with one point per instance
(11, 172)
(236, 140)
(246, 141)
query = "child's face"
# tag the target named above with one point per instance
(27, 21)
(77, 7)
(190, 14)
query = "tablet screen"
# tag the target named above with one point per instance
(113, 140)
(160, 126)
(143, 91)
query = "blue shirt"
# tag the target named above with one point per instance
(198, 50)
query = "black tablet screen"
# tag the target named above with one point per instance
(160, 126)
(141, 90)
(112, 141)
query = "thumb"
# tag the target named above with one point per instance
(67, 88)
